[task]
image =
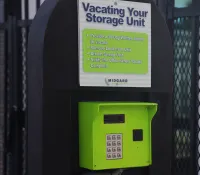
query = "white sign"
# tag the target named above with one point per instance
(114, 43)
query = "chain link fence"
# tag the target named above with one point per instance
(186, 131)
(182, 94)
(183, 129)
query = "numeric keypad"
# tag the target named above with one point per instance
(113, 146)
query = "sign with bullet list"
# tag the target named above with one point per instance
(114, 43)
(104, 56)
(113, 146)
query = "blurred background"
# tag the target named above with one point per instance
(183, 19)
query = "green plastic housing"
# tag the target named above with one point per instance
(93, 134)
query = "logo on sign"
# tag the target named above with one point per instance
(115, 81)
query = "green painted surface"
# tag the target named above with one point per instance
(106, 51)
(92, 134)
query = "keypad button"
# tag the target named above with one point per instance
(114, 137)
(114, 156)
(118, 137)
(113, 149)
(109, 144)
(108, 137)
(119, 149)
(109, 156)
(119, 155)
(118, 143)
(113, 143)
(109, 150)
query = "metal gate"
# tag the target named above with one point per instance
(186, 89)
(15, 19)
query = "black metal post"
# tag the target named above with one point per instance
(14, 85)
(170, 23)
(2, 92)
(194, 81)
(15, 118)
(197, 105)
(37, 4)
(26, 6)
(27, 17)
(162, 4)
(9, 88)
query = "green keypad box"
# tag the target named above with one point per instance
(115, 134)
